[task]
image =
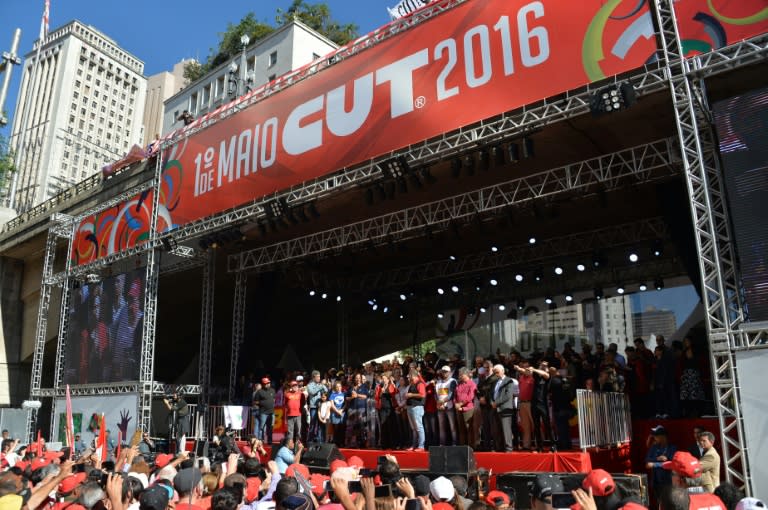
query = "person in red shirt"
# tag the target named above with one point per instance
(294, 403)
(526, 383)
(465, 408)
(431, 433)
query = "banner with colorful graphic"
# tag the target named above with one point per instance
(706, 25)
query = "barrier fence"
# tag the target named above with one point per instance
(605, 419)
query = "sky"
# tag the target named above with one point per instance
(159, 32)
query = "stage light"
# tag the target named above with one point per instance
(482, 309)
(514, 153)
(620, 289)
(598, 292)
(452, 258)
(558, 270)
(519, 277)
(581, 267)
(502, 308)
(440, 291)
(538, 275)
(658, 283)
(569, 298)
(401, 316)
(469, 164)
(532, 240)
(456, 167)
(440, 315)
(528, 148)
(454, 288)
(633, 257)
(548, 300)
(498, 155)
(484, 159)
(386, 309)
(658, 248)
(324, 296)
(520, 304)
(375, 307)
(338, 299)
(494, 249)
(612, 99)
(494, 282)
(371, 302)
(643, 287)
(597, 259)
(403, 297)
(311, 292)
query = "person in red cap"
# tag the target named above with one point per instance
(294, 403)
(603, 488)
(264, 402)
(498, 500)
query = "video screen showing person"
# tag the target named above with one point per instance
(105, 328)
(742, 124)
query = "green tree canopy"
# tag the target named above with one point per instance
(7, 166)
(316, 16)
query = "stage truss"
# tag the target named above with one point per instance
(693, 150)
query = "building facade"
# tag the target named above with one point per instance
(655, 322)
(160, 87)
(80, 106)
(288, 48)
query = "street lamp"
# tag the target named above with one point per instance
(239, 85)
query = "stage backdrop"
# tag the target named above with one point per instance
(119, 413)
(470, 63)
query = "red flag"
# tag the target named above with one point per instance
(70, 428)
(44, 21)
(102, 442)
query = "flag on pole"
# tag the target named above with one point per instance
(101, 442)
(44, 21)
(70, 429)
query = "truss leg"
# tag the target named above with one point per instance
(238, 329)
(708, 209)
(206, 333)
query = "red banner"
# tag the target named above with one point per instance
(705, 25)
(475, 61)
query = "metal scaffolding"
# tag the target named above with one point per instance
(206, 331)
(238, 329)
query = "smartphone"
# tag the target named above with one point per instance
(562, 500)
(79, 468)
(355, 486)
(104, 479)
(367, 472)
(382, 491)
(200, 463)
(412, 504)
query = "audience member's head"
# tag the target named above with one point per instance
(541, 489)
(226, 498)
(674, 498)
(729, 494)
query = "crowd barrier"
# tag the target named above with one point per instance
(605, 419)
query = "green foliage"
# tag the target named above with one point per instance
(6, 162)
(318, 18)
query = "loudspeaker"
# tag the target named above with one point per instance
(634, 486)
(452, 460)
(320, 455)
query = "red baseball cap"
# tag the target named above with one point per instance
(163, 460)
(600, 481)
(442, 505)
(317, 482)
(493, 498)
(301, 468)
(683, 463)
(336, 464)
(68, 484)
(632, 505)
(265, 380)
(355, 461)
(39, 462)
(49, 455)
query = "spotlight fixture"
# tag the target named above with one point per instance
(401, 315)
(598, 293)
(558, 270)
(502, 308)
(452, 258)
(633, 257)
(597, 259)
(612, 99)
(311, 292)
(581, 267)
(514, 153)
(498, 155)
(324, 296)
(338, 299)
(440, 315)
(440, 291)
(484, 159)
(375, 307)
(532, 240)
(494, 282)
(454, 288)
(538, 275)
(643, 287)
(658, 283)
(620, 289)
(403, 297)
(548, 300)
(469, 164)
(569, 298)
(386, 309)
(521, 304)
(528, 147)
(482, 309)
(519, 277)
(494, 249)
(658, 248)
(456, 167)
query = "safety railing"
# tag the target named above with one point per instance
(605, 419)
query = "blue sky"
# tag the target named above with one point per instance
(159, 32)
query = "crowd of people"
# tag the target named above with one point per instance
(503, 402)
(35, 478)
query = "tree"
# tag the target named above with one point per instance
(318, 18)
(193, 70)
(7, 166)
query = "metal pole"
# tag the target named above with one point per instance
(9, 60)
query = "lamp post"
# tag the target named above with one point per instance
(244, 40)
(239, 85)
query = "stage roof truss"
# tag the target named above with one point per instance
(636, 164)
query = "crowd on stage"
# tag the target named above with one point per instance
(136, 478)
(503, 402)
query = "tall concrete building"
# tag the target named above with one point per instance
(80, 106)
(656, 322)
(610, 321)
(288, 48)
(160, 87)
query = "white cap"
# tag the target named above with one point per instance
(442, 489)
(446, 368)
(299, 377)
(750, 504)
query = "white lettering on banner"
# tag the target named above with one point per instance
(405, 7)
(256, 148)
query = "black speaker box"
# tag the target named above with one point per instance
(320, 455)
(452, 460)
(634, 486)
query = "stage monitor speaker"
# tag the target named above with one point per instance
(320, 455)
(452, 460)
(634, 486)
